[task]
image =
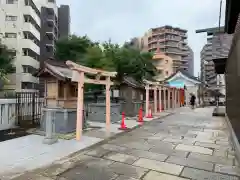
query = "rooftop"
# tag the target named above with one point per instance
(170, 27)
(211, 31)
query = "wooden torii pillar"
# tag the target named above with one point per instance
(156, 86)
(78, 76)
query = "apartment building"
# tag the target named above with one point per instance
(30, 29)
(55, 23)
(20, 31)
(217, 46)
(172, 41)
(190, 61)
(163, 64)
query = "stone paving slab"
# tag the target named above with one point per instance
(153, 175)
(190, 163)
(169, 151)
(124, 158)
(212, 159)
(159, 166)
(122, 177)
(197, 174)
(211, 145)
(127, 170)
(197, 149)
(231, 170)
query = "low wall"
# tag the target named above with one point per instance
(97, 112)
(8, 111)
(64, 119)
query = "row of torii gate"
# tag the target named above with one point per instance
(163, 101)
(79, 73)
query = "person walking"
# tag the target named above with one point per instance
(192, 100)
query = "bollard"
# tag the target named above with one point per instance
(50, 137)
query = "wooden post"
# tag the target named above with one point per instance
(173, 98)
(80, 106)
(176, 94)
(169, 93)
(45, 93)
(65, 91)
(108, 104)
(155, 99)
(147, 99)
(57, 93)
(160, 98)
(164, 98)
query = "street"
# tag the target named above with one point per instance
(191, 144)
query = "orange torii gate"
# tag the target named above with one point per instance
(78, 76)
(157, 86)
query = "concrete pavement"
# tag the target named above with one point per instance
(191, 144)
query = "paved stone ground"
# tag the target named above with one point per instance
(190, 144)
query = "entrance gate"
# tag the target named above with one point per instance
(28, 109)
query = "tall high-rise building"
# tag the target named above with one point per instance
(172, 41)
(30, 29)
(217, 46)
(190, 61)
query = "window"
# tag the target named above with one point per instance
(11, 18)
(11, 1)
(166, 61)
(24, 52)
(11, 35)
(166, 73)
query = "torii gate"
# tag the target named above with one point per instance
(157, 86)
(78, 75)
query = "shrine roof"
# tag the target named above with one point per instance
(56, 68)
(184, 73)
(132, 82)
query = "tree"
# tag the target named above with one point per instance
(125, 60)
(72, 48)
(6, 62)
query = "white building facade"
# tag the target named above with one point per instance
(20, 31)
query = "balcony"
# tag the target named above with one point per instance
(27, 77)
(173, 39)
(27, 10)
(52, 6)
(27, 60)
(28, 27)
(29, 44)
(177, 52)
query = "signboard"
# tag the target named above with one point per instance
(176, 84)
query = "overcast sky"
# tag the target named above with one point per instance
(120, 20)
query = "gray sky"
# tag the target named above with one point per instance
(121, 20)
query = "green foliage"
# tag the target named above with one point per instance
(72, 48)
(6, 62)
(108, 56)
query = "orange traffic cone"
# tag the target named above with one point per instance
(123, 125)
(140, 116)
